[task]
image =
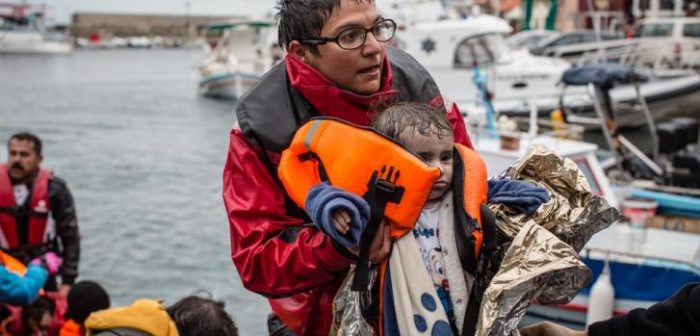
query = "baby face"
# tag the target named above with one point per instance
(436, 152)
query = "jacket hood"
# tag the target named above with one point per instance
(143, 315)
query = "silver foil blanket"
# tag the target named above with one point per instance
(537, 264)
(573, 212)
(540, 251)
(347, 308)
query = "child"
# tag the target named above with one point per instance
(427, 133)
(84, 298)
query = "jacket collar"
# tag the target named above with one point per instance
(329, 100)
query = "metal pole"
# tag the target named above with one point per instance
(605, 122)
(650, 122)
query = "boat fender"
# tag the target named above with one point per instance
(602, 298)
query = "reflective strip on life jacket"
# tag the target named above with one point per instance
(38, 210)
(346, 156)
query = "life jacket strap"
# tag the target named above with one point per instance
(487, 260)
(22, 212)
(380, 191)
(12, 210)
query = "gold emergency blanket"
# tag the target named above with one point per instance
(541, 250)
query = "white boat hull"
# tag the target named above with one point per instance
(30, 42)
(227, 85)
(647, 266)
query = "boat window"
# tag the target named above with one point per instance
(534, 41)
(590, 38)
(566, 40)
(654, 30)
(691, 30)
(482, 50)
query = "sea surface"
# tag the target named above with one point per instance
(143, 155)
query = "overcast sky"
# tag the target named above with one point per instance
(61, 10)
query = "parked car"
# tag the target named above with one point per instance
(572, 44)
(676, 41)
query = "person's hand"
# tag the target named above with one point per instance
(341, 220)
(338, 213)
(381, 244)
(550, 329)
(380, 247)
(63, 290)
(50, 261)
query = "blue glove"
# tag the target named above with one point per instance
(324, 198)
(522, 196)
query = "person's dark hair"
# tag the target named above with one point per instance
(35, 312)
(303, 19)
(84, 298)
(404, 116)
(196, 315)
(26, 136)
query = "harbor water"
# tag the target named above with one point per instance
(143, 155)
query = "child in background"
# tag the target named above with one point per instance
(84, 298)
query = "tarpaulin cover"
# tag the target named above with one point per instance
(604, 75)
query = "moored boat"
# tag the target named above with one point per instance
(22, 31)
(243, 53)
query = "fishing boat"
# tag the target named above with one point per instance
(23, 31)
(242, 54)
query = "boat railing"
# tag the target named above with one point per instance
(633, 53)
(525, 138)
(581, 53)
(554, 129)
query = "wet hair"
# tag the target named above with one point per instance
(303, 19)
(420, 117)
(26, 136)
(197, 315)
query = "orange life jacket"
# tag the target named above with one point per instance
(37, 211)
(347, 156)
(70, 328)
(12, 264)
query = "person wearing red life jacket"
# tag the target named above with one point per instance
(336, 65)
(37, 214)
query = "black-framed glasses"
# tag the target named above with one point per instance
(355, 37)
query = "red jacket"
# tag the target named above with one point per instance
(296, 266)
(37, 209)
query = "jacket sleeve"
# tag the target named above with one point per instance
(64, 213)
(274, 253)
(679, 315)
(21, 290)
